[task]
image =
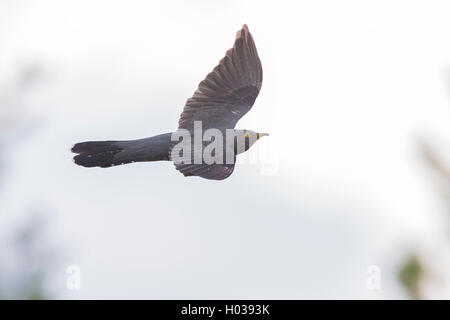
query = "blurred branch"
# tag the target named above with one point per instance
(442, 170)
(411, 273)
(434, 161)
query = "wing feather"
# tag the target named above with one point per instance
(229, 91)
(222, 98)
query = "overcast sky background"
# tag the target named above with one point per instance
(349, 89)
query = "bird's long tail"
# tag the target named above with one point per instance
(110, 153)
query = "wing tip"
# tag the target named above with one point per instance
(244, 30)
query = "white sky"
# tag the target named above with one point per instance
(349, 88)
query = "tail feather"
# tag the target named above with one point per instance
(98, 154)
(111, 153)
(95, 146)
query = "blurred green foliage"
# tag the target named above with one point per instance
(27, 260)
(411, 275)
(27, 256)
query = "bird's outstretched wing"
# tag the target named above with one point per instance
(211, 171)
(229, 91)
(226, 94)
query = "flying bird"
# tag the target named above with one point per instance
(221, 99)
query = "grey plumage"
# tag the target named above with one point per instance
(111, 153)
(229, 91)
(222, 98)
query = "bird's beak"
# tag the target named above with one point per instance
(262, 135)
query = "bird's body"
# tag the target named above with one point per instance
(205, 135)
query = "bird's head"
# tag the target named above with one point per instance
(249, 135)
(245, 139)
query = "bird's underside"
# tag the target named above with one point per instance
(221, 99)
